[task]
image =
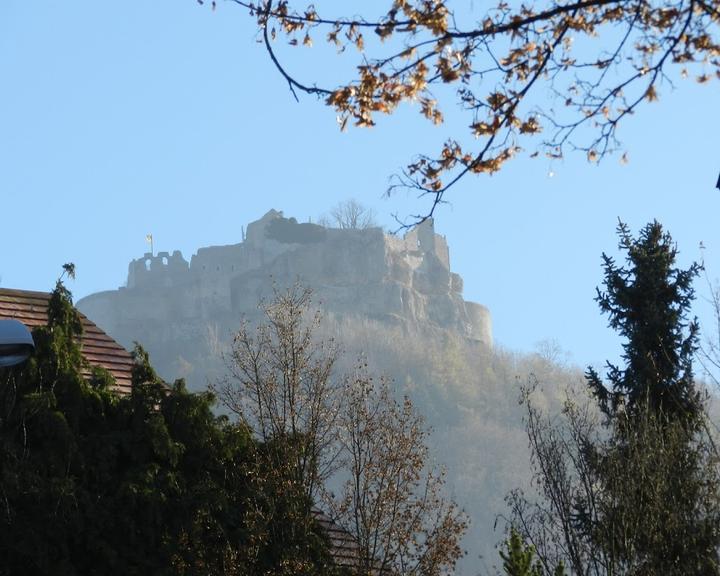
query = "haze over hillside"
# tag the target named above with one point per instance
(394, 300)
(182, 311)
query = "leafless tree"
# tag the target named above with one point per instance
(312, 423)
(709, 355)
(282, 386)
(349, 215)
(393, 499)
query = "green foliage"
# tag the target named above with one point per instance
(150, 483)
(659, 505)
(638, 494)
(658, 471)
(286, 540)
(518, 557)
(648, 303)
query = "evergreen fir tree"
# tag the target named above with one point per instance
(518, 557)
(659, 500)
(639, 493)
(647, 302)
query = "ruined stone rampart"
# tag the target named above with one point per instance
(405, 281)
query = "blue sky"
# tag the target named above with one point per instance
(118, 119)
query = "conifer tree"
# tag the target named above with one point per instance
(96, 483)
(659, 502)
(639, 493)
(647, 302)
(518, 557)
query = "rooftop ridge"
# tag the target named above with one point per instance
(97, 347)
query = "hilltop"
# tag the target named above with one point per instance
(394, 300)
(182, 312)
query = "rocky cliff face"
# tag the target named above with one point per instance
(185, 313)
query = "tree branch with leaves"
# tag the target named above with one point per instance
(547, 77)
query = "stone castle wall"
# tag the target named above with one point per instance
(404, 281)
(267, 239)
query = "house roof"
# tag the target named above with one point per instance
(342, 545)
(96, 346)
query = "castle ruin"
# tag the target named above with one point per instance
(363, 272)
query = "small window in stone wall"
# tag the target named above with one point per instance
(148, 263)
(165, 261)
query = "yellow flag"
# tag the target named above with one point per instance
(148, 238)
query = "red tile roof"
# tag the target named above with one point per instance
(97, 347)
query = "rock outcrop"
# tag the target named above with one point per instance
(182, 312)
